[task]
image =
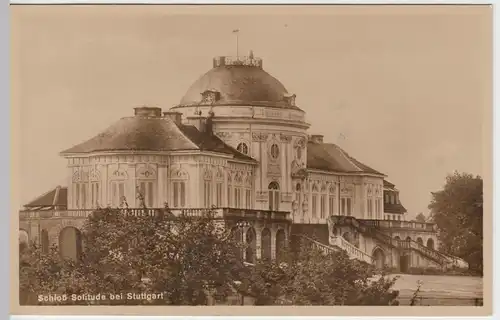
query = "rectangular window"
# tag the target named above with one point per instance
(147, 191)
(314, 205)
(323, 206)
(208, 194)
(248, 198)
(229, 198)
(218, 195)
(238, 197)
(179, 194)
(342, 207)
(95, 195)
(117, 193)
(349, 208)
(331, 204)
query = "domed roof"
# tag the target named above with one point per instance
(238, 81)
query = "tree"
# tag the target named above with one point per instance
(420, 218)
(184, 258)
(313, 278)
(457, 210)
(188, 260)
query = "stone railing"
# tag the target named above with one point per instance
(392, 224)
(237, 61)
(218, 213)
(316, 244)
(352, 250)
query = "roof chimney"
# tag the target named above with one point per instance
(175, 116)
(317, 138)
(151, 112)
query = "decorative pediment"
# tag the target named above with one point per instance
(145, 171)
(179, 174)
(333, 189)
(207, 174)
(210, 96)
(119, 173)
(95, 174)
(238, 178)
(248, 179)
(344, 189)
(219, 174)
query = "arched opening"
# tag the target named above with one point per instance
(419, 240)
(280, 244)
(70, 243)
(251, 245)
(274, 196)
(45, 241)
(23, 240)
(379, 258)
(408, 239)
(430, 243)
(397, 238)
(266, 244)
(237, 237)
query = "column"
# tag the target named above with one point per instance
(258, 240)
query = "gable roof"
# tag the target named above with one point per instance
(56, 197)
(330, 157)
(142, 133)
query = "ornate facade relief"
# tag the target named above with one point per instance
(146, 172)
(80, 174)
(224, 135)
(219, 174)
(179, 174)
(118, 172)
(259, 136)
(208, 174)
(95, 174)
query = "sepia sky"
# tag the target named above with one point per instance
(402, 89)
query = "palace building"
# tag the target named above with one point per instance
(239, 143)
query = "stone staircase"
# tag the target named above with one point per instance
(337, 243)
(444, 260)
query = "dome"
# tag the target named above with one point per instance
(238, 81)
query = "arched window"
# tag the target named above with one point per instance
(251, 245)
(70, 243)
(242, 147)
(419, 240)
(266, 244)
(274, 196)
(179, 188)
(280, 244)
